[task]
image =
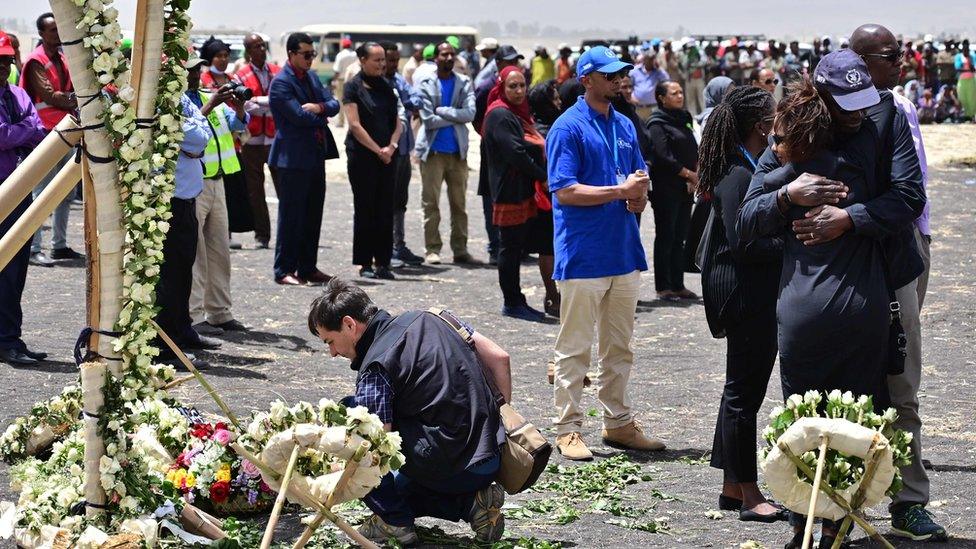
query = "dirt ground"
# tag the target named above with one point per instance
(676, 380)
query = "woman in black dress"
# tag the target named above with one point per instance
(832, 310)
(740, 280)
(546, 105)
(515, 154)
(674, 167)
(372, 107)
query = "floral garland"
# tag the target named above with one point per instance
(841, 471)
(147, 173)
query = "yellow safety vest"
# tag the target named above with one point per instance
(220, 156)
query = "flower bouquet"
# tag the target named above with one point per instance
(841, 471)
(328, 436)
(211, 476)
(47, 422)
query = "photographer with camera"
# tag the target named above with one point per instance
(210, 302)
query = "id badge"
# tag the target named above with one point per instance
(621, 178)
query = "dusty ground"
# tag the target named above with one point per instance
(676, 380)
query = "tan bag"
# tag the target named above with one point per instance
(526, 452)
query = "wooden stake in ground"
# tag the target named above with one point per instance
(280, 500)
(351, 466)
(818, 476)
(93, 376)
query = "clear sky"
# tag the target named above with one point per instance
(774, 18)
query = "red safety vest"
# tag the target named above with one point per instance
(50, 115)
(259, 124)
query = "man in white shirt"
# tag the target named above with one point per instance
(342, 61)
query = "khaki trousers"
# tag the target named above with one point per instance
(210, 295)
(609, 304)
(438, 169)
(339, 119)
(903, 388)
(694, 96)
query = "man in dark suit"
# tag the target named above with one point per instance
(300, 105)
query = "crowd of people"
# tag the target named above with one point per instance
(722, 140)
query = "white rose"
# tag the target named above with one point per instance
(66, 497)
(127, 94)
(105, 79)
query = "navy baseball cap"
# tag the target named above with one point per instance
(600, 59)
(845, 77)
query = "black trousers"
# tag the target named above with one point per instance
(751, 344)
(373, 196)
(176, 272)
(301, 197)
(402, 173)
(672, 215)
(487, 206)
(13, 277)
(511, 248)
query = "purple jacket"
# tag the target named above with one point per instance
(19, 135)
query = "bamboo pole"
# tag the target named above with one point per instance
(818, 476)
(39, 163)
(834, 496)
(280, 500)
(93, 268)
(196, 373)
(873, 460)
(351, 466)
(177, 382)
(305, 494)
(27, 224)
(108, 211)
(93, 376)
(198, 522)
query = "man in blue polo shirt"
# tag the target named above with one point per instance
(597, 179)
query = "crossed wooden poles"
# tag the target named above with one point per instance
(324, 510)
(852, 508)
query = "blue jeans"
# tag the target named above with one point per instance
(398, 500)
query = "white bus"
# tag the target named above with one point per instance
(327, 39)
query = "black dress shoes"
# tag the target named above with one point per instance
(66, 253)
(16, 357)
(34, 355)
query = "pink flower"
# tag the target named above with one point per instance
(250, 469)
(223, 436)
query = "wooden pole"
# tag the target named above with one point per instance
(38, 164)
(306, 495)
(27, 224)
(834, 496)
(93, 376)
(818, 476)
(280, 500)
(351, 466)
(93, 287)
(196, 373)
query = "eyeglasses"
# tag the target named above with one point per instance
(612, 77)
(891, 57)
(308, 55)
(771, 81)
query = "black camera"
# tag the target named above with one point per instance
(240, 92)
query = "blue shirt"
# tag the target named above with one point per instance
(446, 139)
(645, 82)
(411, 104)
(593, 241)
(196, 134)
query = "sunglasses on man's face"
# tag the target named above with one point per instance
(612, 77)
(771, 81)
(891, 57)
(308, 55)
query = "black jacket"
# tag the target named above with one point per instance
(890, 215)
(513, 165)
(673, 147)
(740, 279)
(443, 407)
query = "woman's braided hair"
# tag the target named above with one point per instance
(727, 127)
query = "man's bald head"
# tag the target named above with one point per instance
(881, 53)
(871, 38)
(256, 49)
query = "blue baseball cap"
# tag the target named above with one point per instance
(600, 59)
(844, 75)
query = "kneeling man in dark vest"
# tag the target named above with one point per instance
(423, 380)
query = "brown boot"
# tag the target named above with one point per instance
(631, 436)
(551, 373)
(571, 446)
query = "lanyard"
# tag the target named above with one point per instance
(748, 156)
(614, 149)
